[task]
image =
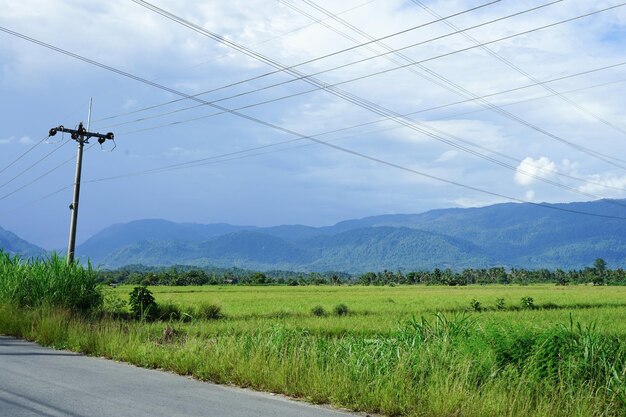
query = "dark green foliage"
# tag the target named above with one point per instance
(528, 303)
(500, 304)
(208, 311)
(188, 275)
(318, 311)
(475, 305)
(142, 303)
(167, 312)
(341, 310)
(48, 282)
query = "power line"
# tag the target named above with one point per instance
(30, 203)
(306, 62)
(440, 139)
(294, 133)
(177, 122)
(24, 154)
(380, 110)
(518, 69)
(495, 161)
(606, 158)
(44, 175)
(209, 160)
(32, 166)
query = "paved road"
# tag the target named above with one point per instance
(35, 381)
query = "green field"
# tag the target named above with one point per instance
(380, 309)
(426, 351)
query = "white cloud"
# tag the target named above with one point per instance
(447, 156)
(530, 195)
(129, 103)
(542, 167)
(605, 185)
(25, 140)
(6, 141)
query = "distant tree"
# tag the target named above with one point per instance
(259, 278)
(599, 267)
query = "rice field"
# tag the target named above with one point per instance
(517, 351)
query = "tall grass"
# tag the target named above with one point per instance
(48, 282)
(393, 358)
(439, 366)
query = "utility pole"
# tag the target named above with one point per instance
(81, 136)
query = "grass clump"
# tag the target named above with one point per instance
(341, 310)
(48, 282)
(318, 311)
(207, 311)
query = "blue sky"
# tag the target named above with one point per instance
(301, 182)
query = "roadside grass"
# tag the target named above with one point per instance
(48, 282)
(439, 365)
(529, 351)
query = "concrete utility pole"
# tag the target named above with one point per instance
(82, 136)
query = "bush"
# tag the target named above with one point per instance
(142, 303)
(475, 305)
(341, 310)
(500, 304)
(169, 312)
(207, 311)
(318, 311)
(528, 303)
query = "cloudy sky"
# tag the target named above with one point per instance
(534, 117)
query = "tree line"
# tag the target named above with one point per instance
(598, 274)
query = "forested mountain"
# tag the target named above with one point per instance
(510, 235)
(14, 245)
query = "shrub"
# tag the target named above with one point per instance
(114, 304)
(500, 304)
(528, 303)
(169, 312)
(208, 311)
(341, 310)
(318, 311)
(475, 305)
(142, 303)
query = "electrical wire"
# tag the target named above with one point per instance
(24, 154)
(518, 69)
(445, 141)
(30, 203)
(45, 174)
(380, 110)
(294, 133)
(33, 165)
(305, 62)
(463, 91)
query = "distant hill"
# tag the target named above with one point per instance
(14, 245)
(510, 235)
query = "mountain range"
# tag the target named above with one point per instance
(14, 245)
(511, 235)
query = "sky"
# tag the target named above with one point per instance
(527, 140)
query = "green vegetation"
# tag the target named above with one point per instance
(181, 275)
(436, 351)
(48, 282)
(142, 304)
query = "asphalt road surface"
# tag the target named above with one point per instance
(35, 381)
